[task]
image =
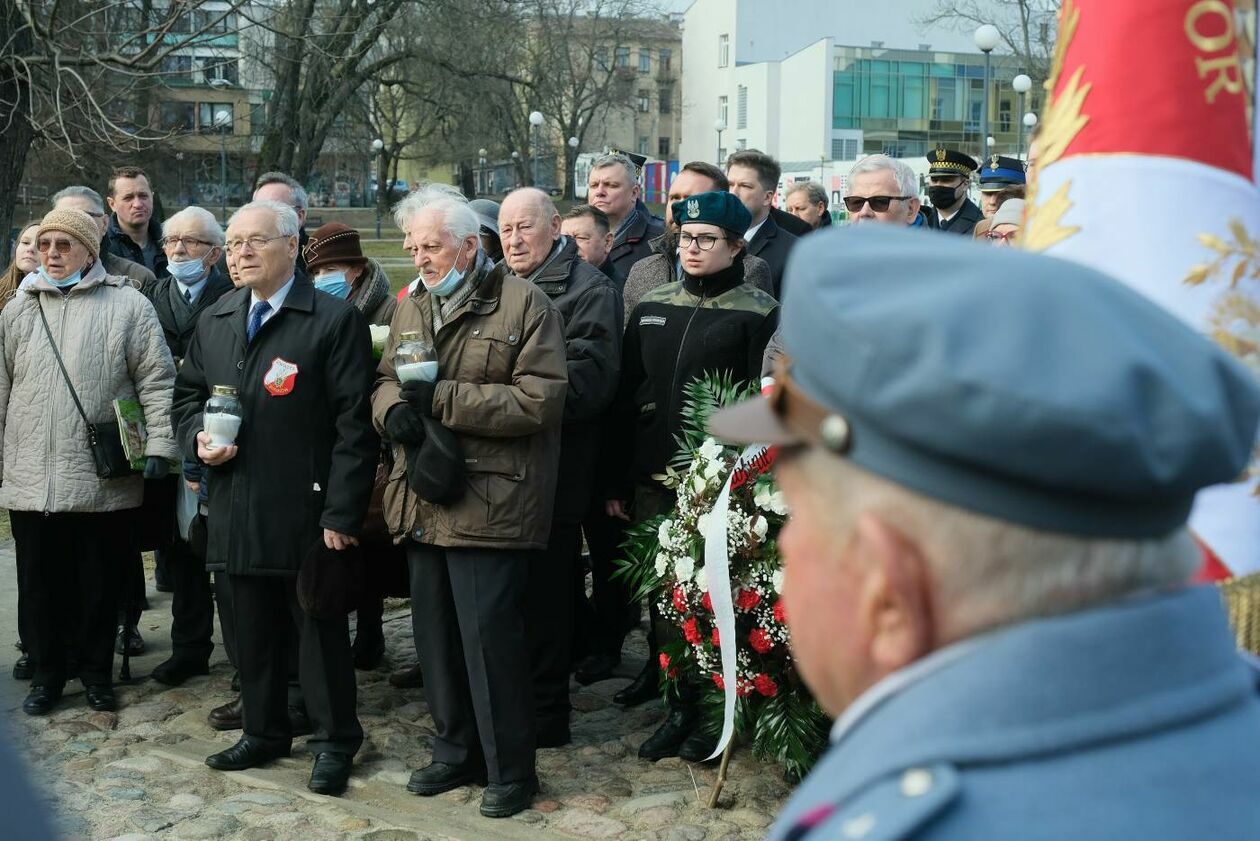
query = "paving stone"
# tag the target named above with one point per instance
(152, 821)
(392, 835)
(206, 827)
(142, 764)
(126, 794)
(186, 802)
(651, 801)
(684, 832)
(585, 824)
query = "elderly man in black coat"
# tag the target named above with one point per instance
(535, 250)
(296, 482)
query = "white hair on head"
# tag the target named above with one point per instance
(80, 192)
(200, 217)
(990, 572)
(287, 224)
(907, 181)
(458, 218)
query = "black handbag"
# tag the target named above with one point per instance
(104, 439)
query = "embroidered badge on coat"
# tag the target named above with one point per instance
(280, 377)
(651, 321)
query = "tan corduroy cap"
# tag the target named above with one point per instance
(76, 223)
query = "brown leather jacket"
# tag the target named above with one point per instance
(501, 387)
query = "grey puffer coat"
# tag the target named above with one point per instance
(112, 345)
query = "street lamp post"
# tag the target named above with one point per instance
(1029, 121)
(516, 159)
(222, 122)
(536, 120)
(987, 38)
(719, 125)
(1022, 85)
(481, 174)
(378, 148)
(572, 163)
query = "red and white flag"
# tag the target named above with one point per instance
(1146, 170)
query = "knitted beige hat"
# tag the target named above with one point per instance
(76, 223)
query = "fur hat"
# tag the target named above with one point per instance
(77, 224)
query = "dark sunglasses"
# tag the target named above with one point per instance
(878, 203)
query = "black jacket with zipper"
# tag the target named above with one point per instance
(159, 294)
(678, 333)
(307, 457)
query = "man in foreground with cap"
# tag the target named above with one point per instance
(973, 513)
(949, 175)
(1001, 178)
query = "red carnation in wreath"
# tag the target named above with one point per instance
(747, 599)
(671, 672)
(780, 612)
(760, 640)
(718, 682)
(766, 685)
(680, 600)
(706, 602)
(716, 638)
(691, 631)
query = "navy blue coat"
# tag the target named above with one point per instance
(1137, 720)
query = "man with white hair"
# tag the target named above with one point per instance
(78, 197)
(590, 307)
(193, 243)
(291, 492)
(986, 568)
(476, 435)
(883, 189)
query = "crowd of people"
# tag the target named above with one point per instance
(524, 405)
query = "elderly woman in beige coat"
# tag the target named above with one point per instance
(69, 526)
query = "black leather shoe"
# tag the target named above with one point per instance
(698, 746)
(669, 737)
(174, 672)
(226, 717)
(331, 773)
(101, 698)
(135, 642)
(502, 800)
(244, 754)
(369, 649)
(645, 687)
(437, 777)
(595, 668)
(407, 678)
(300, 722)
(22, 669)
(41, 700)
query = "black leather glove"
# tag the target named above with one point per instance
(419, 395)
(403, 425)
(156, 467)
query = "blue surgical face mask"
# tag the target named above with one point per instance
(187, 272)
(334, 283)
(448, 284)
(64, 283)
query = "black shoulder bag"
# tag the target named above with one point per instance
(104, 439)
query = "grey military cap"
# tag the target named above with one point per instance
(1020, 386)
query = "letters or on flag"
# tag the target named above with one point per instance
(1147, 171)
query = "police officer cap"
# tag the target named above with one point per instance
(1000, 172)
(714, 208)
(1023, 387)
(950, 162)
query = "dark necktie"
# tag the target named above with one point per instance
(188, 296)
(256, 316)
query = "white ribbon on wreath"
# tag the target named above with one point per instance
(718, 569)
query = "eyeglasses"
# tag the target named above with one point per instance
(189, 242)
(59, 246)
(878, 203)
(1009, 235)
(234, 246)
(704, 242)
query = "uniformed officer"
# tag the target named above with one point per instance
(985, 570)
(1001, 178)
(949, 176)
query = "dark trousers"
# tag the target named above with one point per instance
(227, 622)
(612, 615)
(549, 612)
(266, 609)
(192, 604)
(468, 616)
(71, 565)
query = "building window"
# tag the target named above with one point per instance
(177, 65)
(208, 112)
(226, 69)
(662, 148)
(723, 110)
(844, 149)
(645, 101)
(175, 116)
(741, 107)
(601, 58)
(213, 21)
(665, 96)
(1004, 115)
(645, 60)
(724, 50)
(643, 145)
(664, 59)
(741, 144)
(623, 56)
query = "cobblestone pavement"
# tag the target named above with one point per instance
(139, 773)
